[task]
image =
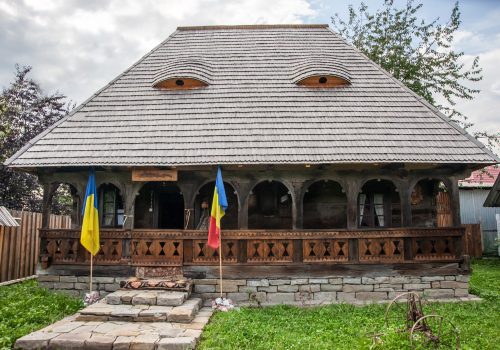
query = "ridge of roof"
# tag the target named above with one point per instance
(31, 142)
(254, 26)
(423, 101)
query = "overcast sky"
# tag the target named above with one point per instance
(78, 46)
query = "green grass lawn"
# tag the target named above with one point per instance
(25, 307)
(349, 327)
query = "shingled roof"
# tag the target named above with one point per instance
(252, 111)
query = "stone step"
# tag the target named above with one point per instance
(103, 311)
(186, 312)
(147, 297)
(70, 333)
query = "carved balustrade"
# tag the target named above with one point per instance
(258, 247)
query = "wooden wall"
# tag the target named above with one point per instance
(19, 246)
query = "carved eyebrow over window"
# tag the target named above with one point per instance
(183, 74)
(322, 73)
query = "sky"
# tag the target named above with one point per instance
(77, 46)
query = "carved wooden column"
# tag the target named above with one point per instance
(455, 200)
(188, 190)
(130, 192)
(48, 192)
(405, 197)
(298, 215)
(243, 188)
(352, 191)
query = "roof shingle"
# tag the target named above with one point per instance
(252, 111)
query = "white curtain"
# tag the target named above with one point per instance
(362, 200)
(378, 204)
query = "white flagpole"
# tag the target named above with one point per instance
(91, 260)
(220, 261)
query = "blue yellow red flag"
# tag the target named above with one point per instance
(90, 224)
(219, 206)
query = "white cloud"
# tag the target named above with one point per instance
(484, 109)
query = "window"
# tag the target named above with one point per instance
(379, 205)
(324, 81)
(111, 207)
(179, 84)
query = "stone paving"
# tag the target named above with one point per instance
(125, 326)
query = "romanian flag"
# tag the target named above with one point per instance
(90, 225)
(219, 205)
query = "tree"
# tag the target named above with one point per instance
(417, 53)
(25, 111)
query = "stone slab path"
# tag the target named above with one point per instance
(125, 326)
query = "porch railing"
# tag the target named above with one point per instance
(149, 247)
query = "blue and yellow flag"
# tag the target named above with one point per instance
(219, 206)
(90, 225)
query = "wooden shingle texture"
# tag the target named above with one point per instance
(252, 111)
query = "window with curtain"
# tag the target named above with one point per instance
(112, 207)
(379, 204)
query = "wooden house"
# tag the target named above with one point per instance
(342, 183)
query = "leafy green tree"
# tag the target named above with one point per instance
(418, 53)
(25, 111)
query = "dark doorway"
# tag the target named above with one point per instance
(159, 205)
(205, 194)
(325, 206)
(270, 206)
(170, 210)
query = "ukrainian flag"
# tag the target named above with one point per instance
(90, 225)
(219, 206)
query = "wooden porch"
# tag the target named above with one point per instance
(164, 248)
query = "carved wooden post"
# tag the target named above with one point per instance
(131, 190)
(243, 188)
(188, 190)
(455, 200)
(352, 191)
(298, 189)
(405, 197)
(48, 194)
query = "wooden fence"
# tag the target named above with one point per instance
(19, 246)
(473, 244)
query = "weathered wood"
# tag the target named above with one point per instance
(19, 245)
(321, 270)
(242, 251)
(472, 242)
(146, 175)
(259, 247)
(188, 250)
(324, 250)
(298, 250)
(381, 250)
